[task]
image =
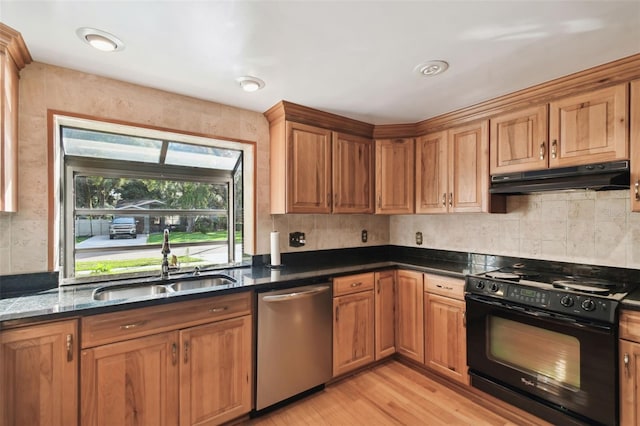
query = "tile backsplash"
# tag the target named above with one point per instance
(578, 227)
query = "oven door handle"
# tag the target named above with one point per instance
(540, 314)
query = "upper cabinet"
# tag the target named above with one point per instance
(320, 163)
(452, 171)
(519, 141)
(352, 174)
(395, 176)
(13, 57)
(589, 128)
(635, 146)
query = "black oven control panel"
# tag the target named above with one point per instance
(570, 303)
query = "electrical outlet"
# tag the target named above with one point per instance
(419, 238)
(297, 239)
(364, 236)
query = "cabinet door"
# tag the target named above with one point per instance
(589, 128)
(308, 169)
(468, 156)
(431, 173)
(131, 383)
(394, 176)
(8, 134)
(445, 336)
(385, 297)
(410, 326)
(518, 141)
(352, 174)
(39, 375)
(353, 322)
(635, 146)
(215, 372)
(629, 383)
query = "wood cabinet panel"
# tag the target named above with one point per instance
(589, 128)
(131, 383)
(468, 155)
(215, 371)
(353, 283)
(629, 383)
(39, 375)
(353, 335)
(410, 315)
(445, 336)
(635, 145)
(518, 140)
(431, 173)
(395, 176)
(352, 174)
(385, 314)
(308, 169)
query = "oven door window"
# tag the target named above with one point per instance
(526, 348)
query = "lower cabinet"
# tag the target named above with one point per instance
(197, 373)
(629, 352)
(445, 328)
(410, 326)
(353, 322)
(385, 315)
(39, 375)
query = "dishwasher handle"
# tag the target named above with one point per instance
(295, 295)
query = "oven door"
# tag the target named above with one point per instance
(567, 363)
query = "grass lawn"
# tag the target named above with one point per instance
(105, 266)
(81, 239)
(190, 237)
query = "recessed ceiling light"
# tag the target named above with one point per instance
(100, 40)
(250, 84)
(431, 68)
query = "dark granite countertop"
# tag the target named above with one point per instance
(77, 300)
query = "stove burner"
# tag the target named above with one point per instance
(503, 275)
(587, 286)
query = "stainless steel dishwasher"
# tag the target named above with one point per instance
(294, 342)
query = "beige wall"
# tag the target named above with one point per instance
(579, 227)
(583, 227)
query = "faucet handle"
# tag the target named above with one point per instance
(165, 244)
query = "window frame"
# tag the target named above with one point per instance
(64, 217)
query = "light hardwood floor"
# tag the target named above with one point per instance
(389, 394)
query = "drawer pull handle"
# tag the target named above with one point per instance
(186, 352)
(69, 347)
(133, 325)
(444, 287)
(554, 149)
(444, 200)
(450, 199)
(542, 150)
(357, 284)
(216, 310)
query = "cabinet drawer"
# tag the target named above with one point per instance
(629, 325)
(444, 286)
(122, 325)
(353, 283)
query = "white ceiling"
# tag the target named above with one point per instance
(353, 58)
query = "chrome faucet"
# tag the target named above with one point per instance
(165, 252)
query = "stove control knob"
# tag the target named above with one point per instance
(566, 301)
(494, 287)
(588, 305)
(480, 285)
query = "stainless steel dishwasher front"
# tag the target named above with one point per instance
(294, 342)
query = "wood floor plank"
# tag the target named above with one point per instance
(387, 394)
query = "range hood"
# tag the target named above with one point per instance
(597, 177)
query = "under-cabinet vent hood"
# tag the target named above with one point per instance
(597, 177)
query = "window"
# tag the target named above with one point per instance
(121, 189)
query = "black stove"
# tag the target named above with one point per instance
(578, 296)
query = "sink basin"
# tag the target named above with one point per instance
(201, 283)
(128, 291)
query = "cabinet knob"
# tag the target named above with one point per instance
(554, 149)
(542, 150)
